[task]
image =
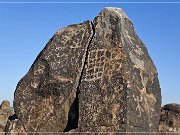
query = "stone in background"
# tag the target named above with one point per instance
(170, 118)
(4, 114)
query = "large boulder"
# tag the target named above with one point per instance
(91, 78)
(4, 114)
(170, 118)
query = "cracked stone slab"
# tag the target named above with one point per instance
(120, 90)
(43, 97)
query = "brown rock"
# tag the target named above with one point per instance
(120, 90)
(5, 105)
(14, 126)
(170, 118)
(45, 94)
(4, 114)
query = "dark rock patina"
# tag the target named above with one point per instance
(44, 96)
(120, 90)
(170, 118)
(91, 77)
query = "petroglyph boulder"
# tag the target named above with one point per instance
(91, 77)
(4, 114)
(170, 118)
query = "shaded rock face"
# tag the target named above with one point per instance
(170, 118)
(45, 94)
(4, 114)
(91, 77)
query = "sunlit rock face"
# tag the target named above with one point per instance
(95, 77)
(170, 118)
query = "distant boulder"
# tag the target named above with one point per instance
(170, 118)
(5, 105)
(4, 114)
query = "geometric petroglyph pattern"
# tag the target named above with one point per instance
(103, 62)
(40, 70)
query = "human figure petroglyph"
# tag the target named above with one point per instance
(139, 108)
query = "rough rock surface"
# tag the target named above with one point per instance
(119, 89)
(45, 94)
(4, 114)
(170, 118)
(91, 77)
(14, 126)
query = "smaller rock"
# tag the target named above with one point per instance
(5, 105)
(4, 114)
(170, 118)
(14, 126)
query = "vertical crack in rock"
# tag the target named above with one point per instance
(73, 116)
(46, 95)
